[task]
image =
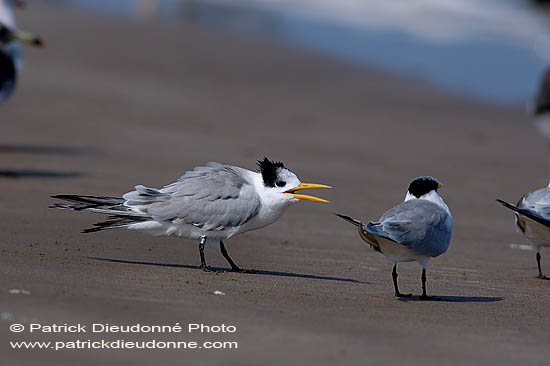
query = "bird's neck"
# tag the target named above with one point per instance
(431, 196)
(270, 199)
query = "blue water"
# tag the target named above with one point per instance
(490, 70)
(501, 71)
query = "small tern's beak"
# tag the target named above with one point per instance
(439, 185)
(305, 196)
(28, 38)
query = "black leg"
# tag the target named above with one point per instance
(540, 270)
(424, 296)
(424, 284)
(203, 266)
(234, 267)
(394, 276)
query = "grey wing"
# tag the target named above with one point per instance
(538, 201)
(422, 226)
(211, 197)
(525, 213)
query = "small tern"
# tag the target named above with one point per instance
(542, 106)
(415, 230)
(210, 203)
(10, 52)
(533, 219)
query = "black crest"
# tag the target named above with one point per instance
(422, 185)
(268, 169)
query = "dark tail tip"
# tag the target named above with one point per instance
(66, 197)
(39, 42)
(61, 206)
(508, 205)
(348, 219)
(504, 203)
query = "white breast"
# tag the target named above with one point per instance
(6, 15)
(396, 253)
(537, 234)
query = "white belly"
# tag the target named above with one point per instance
(188, 231)
(396, 253)
(537, 234)
(264, 217)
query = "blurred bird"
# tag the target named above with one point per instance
(542, 106)
(210, 203)
(10, 53)
(533, 219)
(415, 230)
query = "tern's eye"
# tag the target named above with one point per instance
(280, 183)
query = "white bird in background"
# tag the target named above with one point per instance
(210, 204)
(415, 230)
(542, 106)
(533, 219)
(10, 53)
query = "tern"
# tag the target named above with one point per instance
(210, 204)
(415, 230)
(533, 219)
(10, 53)
(541, 108)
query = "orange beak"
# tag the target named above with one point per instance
(305, 196)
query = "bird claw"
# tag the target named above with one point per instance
(543, 277)
(206, 268)
(398, 294)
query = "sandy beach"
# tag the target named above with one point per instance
(111, 103)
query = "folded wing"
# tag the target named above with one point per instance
(211, 197)
(528, 213)
(422, 226)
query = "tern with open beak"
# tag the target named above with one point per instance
(533, 219)
(210, 204)
(415, 230)
(10, 48)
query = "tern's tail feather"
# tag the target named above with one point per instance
(120, 215)
(508, 205)
(351, 220)
(526, 213)
(367, 237)
(87, 202)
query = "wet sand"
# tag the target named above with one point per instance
(112, 103)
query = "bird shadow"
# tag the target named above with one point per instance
(452, 299)
(220, 269)
(20, 174)
(42, 150)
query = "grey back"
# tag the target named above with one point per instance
(422, 226)
(211, 197)
(538, 202)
